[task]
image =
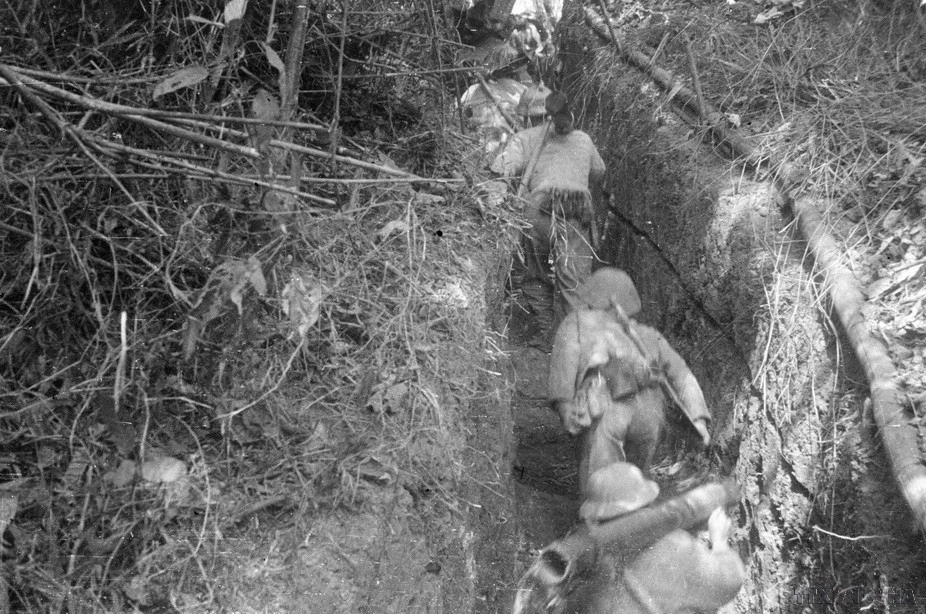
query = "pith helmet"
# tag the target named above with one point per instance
(610, 284)
(532, 100)
(615, 490)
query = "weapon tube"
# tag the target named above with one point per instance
(574, 556)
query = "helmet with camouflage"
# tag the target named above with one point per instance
(532, 101)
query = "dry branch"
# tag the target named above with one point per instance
(136, 114)
(899, 438)
(324, 155)
(127, 112)
(165, 159)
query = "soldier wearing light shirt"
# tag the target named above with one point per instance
(559, 167)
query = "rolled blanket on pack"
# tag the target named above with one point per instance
(571, 205)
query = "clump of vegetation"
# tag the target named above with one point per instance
(220, 298)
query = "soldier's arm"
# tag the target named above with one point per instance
(597, 169)
(564, 371)
(716, 575)
(685, 385)
(511, 161)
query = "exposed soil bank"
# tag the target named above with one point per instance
(401, 545)
(724, 277)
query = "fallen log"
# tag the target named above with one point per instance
(899, 438)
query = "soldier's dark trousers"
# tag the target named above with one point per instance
(559, 256)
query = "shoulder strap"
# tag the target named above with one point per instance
(532, 164)
(656, 372)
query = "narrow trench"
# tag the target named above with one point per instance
(722, 274)
(707, 232)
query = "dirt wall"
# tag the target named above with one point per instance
(723, 275)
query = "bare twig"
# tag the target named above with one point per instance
(293, 62)
(195, 137)
(119, 385)
(695, 77)
(338, 86)
(166, 159)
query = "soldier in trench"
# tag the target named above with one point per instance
(559, 168)
(611, 377)
(679, 573)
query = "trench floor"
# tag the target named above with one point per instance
(546, 458)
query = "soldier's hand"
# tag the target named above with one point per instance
(596, 396)
(719, 526)
(574, 415)
(701, 426)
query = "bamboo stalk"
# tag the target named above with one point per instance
(684, 96)
(127, 113)
(133, 112)
(165, 159)
(194, 137)
(325, 155)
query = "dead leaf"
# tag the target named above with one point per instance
(395, 397)
(265, 107)
(878, 287)
(163, 470)
(185, 77)
(891, 218)
(921, 195)
(273, 58)
(203, 20)
(320, 434)
(257, 279)
(234, 9)
(241, 275)
(373, 470)
(391, 227)
(301, 301)
(74, 474)
(906, 274)
(423, 198)
(8, 505)
(404, 188)
(136, 589)
(767, 16)
(121, 476)
(191, 334)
